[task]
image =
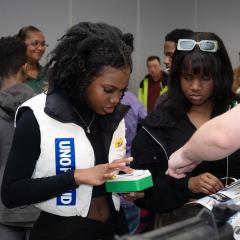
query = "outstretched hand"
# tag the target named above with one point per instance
(179, 164)
(98, 174)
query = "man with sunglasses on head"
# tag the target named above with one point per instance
(200, 88)
(204, 45)
(170, 44)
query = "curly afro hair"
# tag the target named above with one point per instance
(83, 53)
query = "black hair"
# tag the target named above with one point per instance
(151, 58)
(23, 32)
(12, 56)
(216, 64)
(176, 34)
(83, 53)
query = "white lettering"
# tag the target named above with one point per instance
(64, 144)
(65, 161)
(66, 198)
(65, 152)
(62, 169)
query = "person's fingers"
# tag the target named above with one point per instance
(185, 169)
(126, 169)
(210, 185)
(113, 171)
(206, 191)
(126, 160)
(214, 181)
(115, 165)
(173, 173)
(133, 196)
(190, 167)
(109, 176)
(120, 164)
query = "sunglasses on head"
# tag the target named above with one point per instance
(204, 45)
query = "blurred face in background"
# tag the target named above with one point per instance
(169, 49)
(36, 46)
(154, 69)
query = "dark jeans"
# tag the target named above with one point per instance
(53, 227)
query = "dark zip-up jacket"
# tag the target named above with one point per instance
(149, 152)
(163, 132)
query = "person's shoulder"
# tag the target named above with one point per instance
(160, 100)
(165, 77)
(129, 94)
(146, 77)
(24, 88)
(161, 117)
(128, 98)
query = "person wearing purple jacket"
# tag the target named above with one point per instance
(133, 117)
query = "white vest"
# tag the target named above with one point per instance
(64, 145)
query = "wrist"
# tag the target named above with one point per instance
(190, 184)
(80, 177)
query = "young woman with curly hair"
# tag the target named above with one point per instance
(77, 136)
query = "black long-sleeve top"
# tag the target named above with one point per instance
(18, 188)
(169, 193)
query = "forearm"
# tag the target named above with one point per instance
(216, 139)
(29, 191)
(18, 187)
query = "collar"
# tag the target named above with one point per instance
(59, 107)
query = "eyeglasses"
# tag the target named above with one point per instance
(37, 43)
(204, 45)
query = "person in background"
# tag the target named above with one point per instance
(170, 44)
(200, 88)
(36, 46)
(135, 114)
(15, 224)
(76, 131)
(153, 84)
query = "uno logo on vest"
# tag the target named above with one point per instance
(65, 160)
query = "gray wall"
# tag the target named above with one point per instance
(148, 20)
